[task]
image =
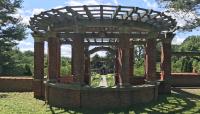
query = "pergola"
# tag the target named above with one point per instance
(113, 28)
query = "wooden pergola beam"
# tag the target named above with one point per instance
(101, 12)
(107, 35)
(88, 13)
(129, 13)
(116, 12)
(73, 12)
(104, 43)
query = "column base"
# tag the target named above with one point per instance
(164, 87)
(38, 89)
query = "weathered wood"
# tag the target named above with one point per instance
(107, 35)
(116, 12)
(88, 13)
(129, 13)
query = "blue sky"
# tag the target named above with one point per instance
(31, 7)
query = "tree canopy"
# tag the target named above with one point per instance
(189, 10)
(11, 31)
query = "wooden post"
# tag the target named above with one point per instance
(38, 69)
(53, 59)
(78, 59)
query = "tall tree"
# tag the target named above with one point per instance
(189, 10)
(11, 31)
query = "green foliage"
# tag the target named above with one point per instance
(184, 9)
(11, 31)
(192, 43)
(110, 80)
(181, 101)
(95, 79)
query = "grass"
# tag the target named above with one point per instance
(181, 101)
(96, 78)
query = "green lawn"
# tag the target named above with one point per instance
(180, 101)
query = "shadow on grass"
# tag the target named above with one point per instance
(178, 102)
(3, 95)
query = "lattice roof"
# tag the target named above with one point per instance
(97, 18)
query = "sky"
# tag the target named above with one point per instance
(31, 7)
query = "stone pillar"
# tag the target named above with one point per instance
(78, 59)
(53, 59)
(38, 87)
(124, 65)
(150, 60)
(72, 60)
(166, 59)
(117, 67)
(131, 59)
(165, 86)
(87, 66)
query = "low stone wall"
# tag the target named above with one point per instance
(66, 79)
(137, 80)
(185, 79)
(16, 84)
(63, 95)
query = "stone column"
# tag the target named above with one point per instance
(38, 87)
(78, 59)
(165, 86)
(131, 59)
(124, 64)
(150, 60)
(53, 59)
(117, 67)
(87, 66)
(72, 60)
(166, 59)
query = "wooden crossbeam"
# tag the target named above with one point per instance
(73, 12)
(88, 40)
(129, 13)
(88, 13)
(63, 15)
(116, 12)
(101, 11)
(107, 35)
(104, 43)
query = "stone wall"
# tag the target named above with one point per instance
(16, 84)
(185, 79)
(66, 95)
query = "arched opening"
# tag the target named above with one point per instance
(102, 64)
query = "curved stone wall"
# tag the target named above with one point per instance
(65, 95)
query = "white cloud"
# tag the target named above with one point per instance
(177, 40)
(25, 43)
(26, 49)
(25, 15)
(151, 5)
(82, 2)
(90, 2)
(66, 50)
(181, 17)
(37, 11)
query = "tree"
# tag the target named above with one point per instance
(191, 43)
(184, 9)
(11, 31)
